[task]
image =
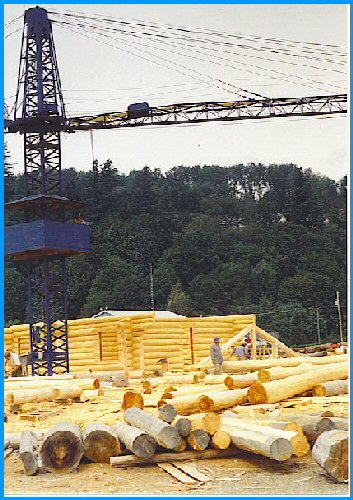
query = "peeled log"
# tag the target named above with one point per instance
(287, 430)
(279, 372)
(141, 444)
(214, 379)
(62, 448)
(198, 439)
(165, 435)
(209, 422)
(332, 388)
(241, 381)
(132, 399)
(31, 396)
(278, 390)
(69, 391)
(331, 452)
(310, 425)
(100, 442)
(221, 440)
(220, 400)
(183, 426)
(29, 452)
(185, 405)
(330, 423)
(268, 445)
(257, 364)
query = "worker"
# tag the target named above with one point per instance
(217, 356)
(241, 352)
(12, 364)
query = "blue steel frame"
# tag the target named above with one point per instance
(43, 110)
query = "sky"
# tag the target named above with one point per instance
(98, 77)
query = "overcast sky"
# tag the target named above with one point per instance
(97, 78)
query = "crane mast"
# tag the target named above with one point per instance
(45, 238)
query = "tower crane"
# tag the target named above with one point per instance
(46, 237)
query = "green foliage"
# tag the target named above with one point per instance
(243, 239)
(179, 301)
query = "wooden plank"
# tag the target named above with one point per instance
(177, 474)
(193, 471)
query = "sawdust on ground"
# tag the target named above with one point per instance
(245, 474)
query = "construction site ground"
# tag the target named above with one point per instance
(243, 474)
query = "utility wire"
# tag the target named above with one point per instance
(280, 74)
(312, 45)
(168, 61)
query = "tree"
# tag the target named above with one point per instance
(179, 301)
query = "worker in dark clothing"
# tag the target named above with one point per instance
(217, 356)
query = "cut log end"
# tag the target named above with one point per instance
(221, 440)
(264, 375)
(205, 404)
(281, 449)
(257, 394)
(99, 446)
(144, 446)
(198, 439)
(183, 426)
(62, 449)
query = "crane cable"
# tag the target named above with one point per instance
(281, 74)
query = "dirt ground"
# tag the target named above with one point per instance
(243, 474)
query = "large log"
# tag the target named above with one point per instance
(219, 400)
(198, 439)
(31, 396)
(62, 448)
(311, 425)
(332, 388)
(209, 422)
(331, 452)
(132, 461)
(140, 443)
(264, 443)
(258, 364)
(214, 379)
(301, 446)
(165, 435)
(69, 392)
(89, 383)
(29, 452)
(278, 390)
(330, 423)
(100, 442)
(185, 405)
(241, 381)
(279, 372)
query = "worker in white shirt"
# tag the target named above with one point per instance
(12, 364)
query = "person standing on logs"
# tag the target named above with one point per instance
(12, 364)
(217, 356)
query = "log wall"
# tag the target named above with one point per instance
(137, 342)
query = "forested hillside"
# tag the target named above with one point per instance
(244, 239)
